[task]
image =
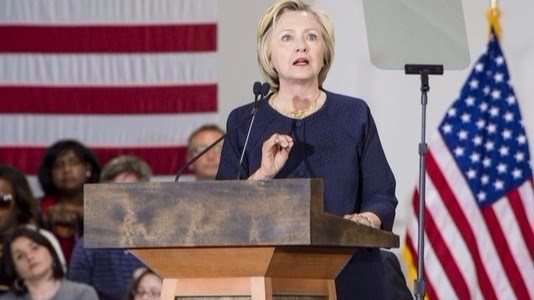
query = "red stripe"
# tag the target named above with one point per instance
(162, 160)
(522, 220)
(108, 100)
(109, 39)
(462, 223)
(505, 255)
(444, 255)
(430, 292)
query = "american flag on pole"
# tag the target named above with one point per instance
(121, 76)
(479, 226)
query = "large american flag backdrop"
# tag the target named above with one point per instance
(480, 204)
(121, 76)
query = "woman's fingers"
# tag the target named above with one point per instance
(279, 141)
(284, 141)
(275, 152)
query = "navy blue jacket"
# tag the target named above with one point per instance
(340, 144)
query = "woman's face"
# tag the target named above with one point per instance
(7, 199)
(32, 261)
(69, 172)
(149, 287)
(297, 48)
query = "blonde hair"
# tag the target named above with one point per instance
(265, 28)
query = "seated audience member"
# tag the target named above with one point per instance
(125, 168)
(109, 270)
(34, 268)
(145, 285)
(66, 166)
(17, 204)
(17, 207)
(205, 168)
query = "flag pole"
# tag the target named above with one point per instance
(423, 71)
(493, 15)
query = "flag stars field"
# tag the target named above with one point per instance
(480, 186)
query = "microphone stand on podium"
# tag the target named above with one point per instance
(423, 71)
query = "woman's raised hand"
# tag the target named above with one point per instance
(274, 154)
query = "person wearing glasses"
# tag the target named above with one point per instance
(17, 204)
(17, 207)
(205, 168)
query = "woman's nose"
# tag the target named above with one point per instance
(29, 257)
(302, 46)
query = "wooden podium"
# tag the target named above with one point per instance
(239, 239)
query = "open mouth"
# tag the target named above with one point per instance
(301, 62)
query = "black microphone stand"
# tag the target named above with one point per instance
(261, 90)
(423, 71)
(257, 92)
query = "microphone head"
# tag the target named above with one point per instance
(257, 88)
(265, 88)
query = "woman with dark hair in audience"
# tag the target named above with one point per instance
(34, 268)
(17, 206)
(66, 167)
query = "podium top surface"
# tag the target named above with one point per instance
(283, 212)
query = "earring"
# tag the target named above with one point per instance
(19, 284)
(88, 174)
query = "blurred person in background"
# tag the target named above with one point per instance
(205, 168)
(109, 270)
(17, 207)
(66, 166)
(35, 269)
(126, 168)
(145, 285)
(17, 204)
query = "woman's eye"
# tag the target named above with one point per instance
(286, 37)
(312, 36)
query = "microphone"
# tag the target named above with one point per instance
(256, 89)
(265, 88)
(259, 91)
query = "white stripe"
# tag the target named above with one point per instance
(526, 192)
(436, 275)
(516, 243)
(108, 69)
(107, 11)
(452, 238)
(484, 243)
(101, 130)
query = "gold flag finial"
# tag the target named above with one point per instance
(493, 15)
